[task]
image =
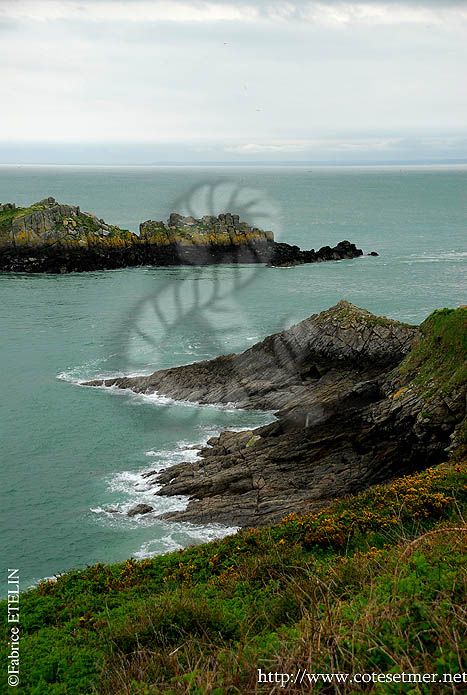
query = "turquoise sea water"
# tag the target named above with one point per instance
(68, 452)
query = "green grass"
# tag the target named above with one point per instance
(439, 360)
(374, 583)
(436, 369)
(7, 217)
(347, 315)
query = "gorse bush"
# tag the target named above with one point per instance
(375, 582)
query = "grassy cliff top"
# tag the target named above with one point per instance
(439, 358)
(373, 583)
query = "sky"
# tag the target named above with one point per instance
(149, 81)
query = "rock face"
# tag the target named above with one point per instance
(350, 412)
(140, 509)
(53, 237)
(277, 372)
(45, 222)
(50, 220)
(223, 229)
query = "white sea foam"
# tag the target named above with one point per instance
(177, 536)
(159, 399)
(131, 487)
(442, 257)
(116, 515)
(154, 398)
(141, 486)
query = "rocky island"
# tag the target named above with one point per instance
(53, 237)
(359, 399)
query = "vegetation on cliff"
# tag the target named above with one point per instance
(439, 360)
(435, 370)
(375, 583)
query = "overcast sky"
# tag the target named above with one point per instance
(141, 81)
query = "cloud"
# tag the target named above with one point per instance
(122, 10)
(330, 12)
(254, 78)
(316, 147)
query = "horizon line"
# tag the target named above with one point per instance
(264, 163)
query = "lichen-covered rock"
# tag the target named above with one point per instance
(63, 238)
(52, 221)
(225, 229)
(48, 221)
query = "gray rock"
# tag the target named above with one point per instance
(140, 509)
(343, 422)
(277, 373)
(46, 222)
(47, 201)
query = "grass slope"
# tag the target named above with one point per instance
(439, 361)
(374, 583)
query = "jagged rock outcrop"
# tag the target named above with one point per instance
(224, 229)
(49, 220)
(52, 237)
(275, 373)
(287, 255)
(360, 399)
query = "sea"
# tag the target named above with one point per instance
(70, 454)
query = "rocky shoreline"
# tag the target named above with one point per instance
(351, 412)
(51, 237)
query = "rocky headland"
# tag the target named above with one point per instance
(358, 398)
(56, 238)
